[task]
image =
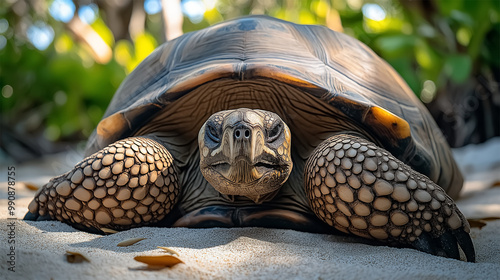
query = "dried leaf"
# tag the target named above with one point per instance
(481, 222)
(490, 218)
(31, 187)
(495, 184)
(476, 223)
(159, 261)
(168, 250)
(75, 257)
(129, 242)
(108, 230)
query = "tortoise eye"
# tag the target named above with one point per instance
(212, 133)
(274, 132)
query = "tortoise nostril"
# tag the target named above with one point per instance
(242, 132)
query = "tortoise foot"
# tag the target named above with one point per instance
(129, 183)
(251, 216)
(447, 244)
(362, 189)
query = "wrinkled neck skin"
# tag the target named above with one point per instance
(246, 153)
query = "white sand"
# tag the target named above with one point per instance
(245, 253)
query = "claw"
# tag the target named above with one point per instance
(465, 242)
(425, 244)
(34, 213)
(30, 216)
(36, 217)
(449, 244)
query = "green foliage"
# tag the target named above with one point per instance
(59, 90)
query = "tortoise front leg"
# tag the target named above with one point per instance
(129, 183)
(362, 189)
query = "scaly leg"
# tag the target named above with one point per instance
(362, 189)
(129, 183)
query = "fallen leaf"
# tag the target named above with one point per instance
(481, 222)
(75, 257)
(495, 184)
(148, 268)
(31, 186)
(168, 250)
(490, 218)
(108, 230)
(129, 242)
(476, 223)
(159, 261)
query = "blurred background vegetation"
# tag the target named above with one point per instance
(61, 61)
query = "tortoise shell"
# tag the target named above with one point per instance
(317, 80)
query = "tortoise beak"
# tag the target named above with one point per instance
(247, 158)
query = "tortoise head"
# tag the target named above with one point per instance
(245, 152)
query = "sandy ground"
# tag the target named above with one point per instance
(240, 253)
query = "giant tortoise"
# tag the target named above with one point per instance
(265, 123)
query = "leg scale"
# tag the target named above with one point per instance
(129, 183)
(362, 189)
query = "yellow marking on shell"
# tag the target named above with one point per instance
(275, 73)
(202, 76)
(387, 121)
(111, 125)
